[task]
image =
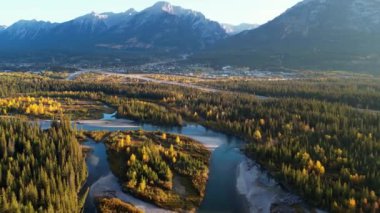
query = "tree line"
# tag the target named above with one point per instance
(359, 92)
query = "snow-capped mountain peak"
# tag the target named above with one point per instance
(162, 6)
(93, 16)
(166, 7)
(99, 15)
(236, 29)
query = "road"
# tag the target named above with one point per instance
(143, 77)
(73, 75)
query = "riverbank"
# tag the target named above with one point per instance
(109, 186)
(222, 193)
(262, 192)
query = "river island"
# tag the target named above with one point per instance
(168, 170)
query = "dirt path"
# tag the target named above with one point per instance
(144, 77)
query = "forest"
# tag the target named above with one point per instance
(310, 137)
(360, 92)
(40, 170)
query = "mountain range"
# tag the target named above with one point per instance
(314, 34)
(159, 28)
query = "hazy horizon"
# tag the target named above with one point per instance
(247, 11)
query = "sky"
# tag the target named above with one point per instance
(223, 11)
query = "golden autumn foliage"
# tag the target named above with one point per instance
(163, 136)
(132, 159)
(178, 140)
(30, 106)
(128, 140)
(121, 143)
(145, 158)
(319, 167)
(352, 203)
(257, 135)
(142, 185)
(125, 141)
(171, 151)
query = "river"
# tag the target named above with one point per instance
(236, 184)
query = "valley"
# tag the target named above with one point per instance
(270, 131)
(212, 106)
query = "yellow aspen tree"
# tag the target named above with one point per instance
(128, 139)
(352, 203)
(142, 185)
(163, 136)
(145, 157)
(171, 150)
(121, 143)
(257, 135)
(132, 159)
(177, 139)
